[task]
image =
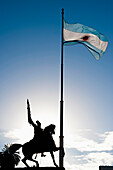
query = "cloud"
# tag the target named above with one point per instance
(20, 135)
(3, 139)
(100, 158)
(92, 161)
(87, 153)
(84, 144)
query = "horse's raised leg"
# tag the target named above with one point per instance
(53, 158)
(24, 161)
(31, 159)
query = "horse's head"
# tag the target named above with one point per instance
(50, 129)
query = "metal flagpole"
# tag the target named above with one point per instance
(61, 153)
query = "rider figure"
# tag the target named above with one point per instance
(38, 131)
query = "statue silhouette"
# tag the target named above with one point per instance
(41, 142)
(38, 131)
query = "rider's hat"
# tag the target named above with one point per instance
(38, 122)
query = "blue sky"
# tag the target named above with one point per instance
(30, 48)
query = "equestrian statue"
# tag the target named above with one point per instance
(41, 142)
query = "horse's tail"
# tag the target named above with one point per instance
(15, 147)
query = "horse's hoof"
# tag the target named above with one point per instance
(37, 165)
(56, 165)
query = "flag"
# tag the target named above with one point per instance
(92, 39)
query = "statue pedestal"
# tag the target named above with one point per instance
(105, 167)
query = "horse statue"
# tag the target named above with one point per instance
(46, 144)
(41, 142)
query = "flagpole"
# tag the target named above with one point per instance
(61, 153)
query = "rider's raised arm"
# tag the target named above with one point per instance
(29, 114)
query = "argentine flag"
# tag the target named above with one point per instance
(92, 39)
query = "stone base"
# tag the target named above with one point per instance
(105, 167)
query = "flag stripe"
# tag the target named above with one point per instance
(79, 28)
(90, 38)
(95, 42)
(96, 52)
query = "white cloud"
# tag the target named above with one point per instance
(20, 135)
(92, 153)
(85, 144)
(93, 161)
(99, 158)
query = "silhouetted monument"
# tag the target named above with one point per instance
(41, 142)
(38, 131)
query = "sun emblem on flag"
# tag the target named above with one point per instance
(85, 38)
